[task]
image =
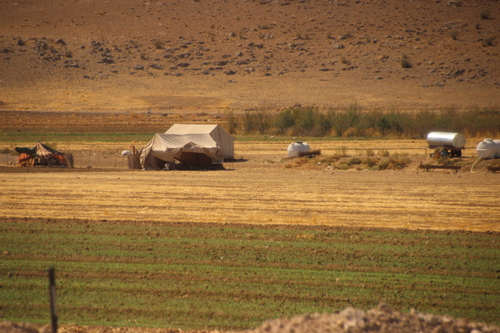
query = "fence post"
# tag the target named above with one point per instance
(52, 291)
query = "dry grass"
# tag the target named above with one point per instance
(259, 195)
(259, 188)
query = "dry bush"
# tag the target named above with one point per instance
(354, 161)
(351, 132)
(488, 42)
(485, 15)
(405, 62)
(329, 160)
(159, 44)
(370, 162)
(383, 153)
(341, 152)
(298, 163)
(302, 36)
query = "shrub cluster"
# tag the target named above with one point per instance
(352, 121)
(359, 162)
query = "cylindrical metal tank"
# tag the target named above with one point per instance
(488, 148)
(295, 149)
(445, 139)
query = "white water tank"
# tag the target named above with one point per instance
(445, 139)
(295, 149)
(488, 148)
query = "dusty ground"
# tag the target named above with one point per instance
(193, 55)
(261, 187)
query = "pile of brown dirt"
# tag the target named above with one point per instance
(382, 319)
(10, 327)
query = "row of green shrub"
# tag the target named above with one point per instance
(353, 121)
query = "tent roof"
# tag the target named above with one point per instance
(191, 129)
(201, 134)
(39, 149)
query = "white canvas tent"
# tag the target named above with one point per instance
(194, 145)
(200, 134)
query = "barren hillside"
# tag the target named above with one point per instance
(124, 55)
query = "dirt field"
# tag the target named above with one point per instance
(259, 188)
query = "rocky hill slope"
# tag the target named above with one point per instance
(124, 55)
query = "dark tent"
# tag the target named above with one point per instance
(42, 155)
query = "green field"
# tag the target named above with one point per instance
(217, 276)
(33, 137)
(126, 138)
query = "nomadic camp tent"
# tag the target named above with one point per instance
(199, 146)
(42, 155)
(201, 134)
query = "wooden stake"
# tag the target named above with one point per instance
(52, 292)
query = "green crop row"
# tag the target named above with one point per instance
(14, 137)
(237, 276)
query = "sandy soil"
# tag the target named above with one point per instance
(193, 55)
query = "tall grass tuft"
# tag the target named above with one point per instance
(345, 119)
(232, 122)
(353, 121)
(257, 121)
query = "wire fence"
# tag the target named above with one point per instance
(96, 159)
